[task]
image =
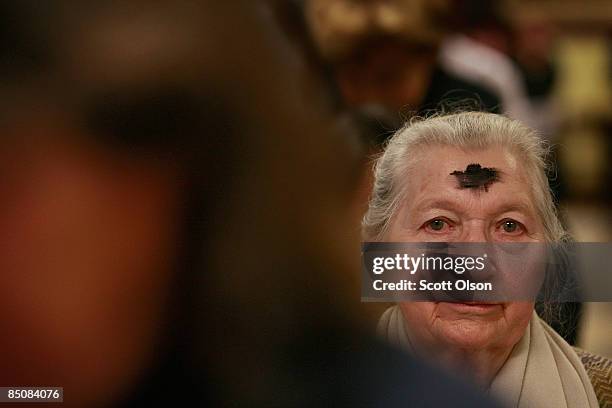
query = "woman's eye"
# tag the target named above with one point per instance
(511, 226)
(437, 224)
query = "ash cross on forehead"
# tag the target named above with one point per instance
(476, 177)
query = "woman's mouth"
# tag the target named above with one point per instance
(477, 308)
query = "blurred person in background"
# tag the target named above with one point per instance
(486, 49)
(505, 347)
(480, 52)
(535, 41)
(384, 56)
(169, 218)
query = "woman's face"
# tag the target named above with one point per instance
(436, 209)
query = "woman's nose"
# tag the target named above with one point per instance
(475, 232)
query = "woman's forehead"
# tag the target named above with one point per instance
(492, 175)
(438, 163)
(446, 159)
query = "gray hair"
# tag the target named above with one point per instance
(471, 130)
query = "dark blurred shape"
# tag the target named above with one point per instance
(485, 21)
(189, 244)
(22, 50)
(292, 20)
(149, 119)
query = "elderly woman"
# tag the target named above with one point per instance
(505, 347)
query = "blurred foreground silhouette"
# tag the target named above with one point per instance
(174, 218)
